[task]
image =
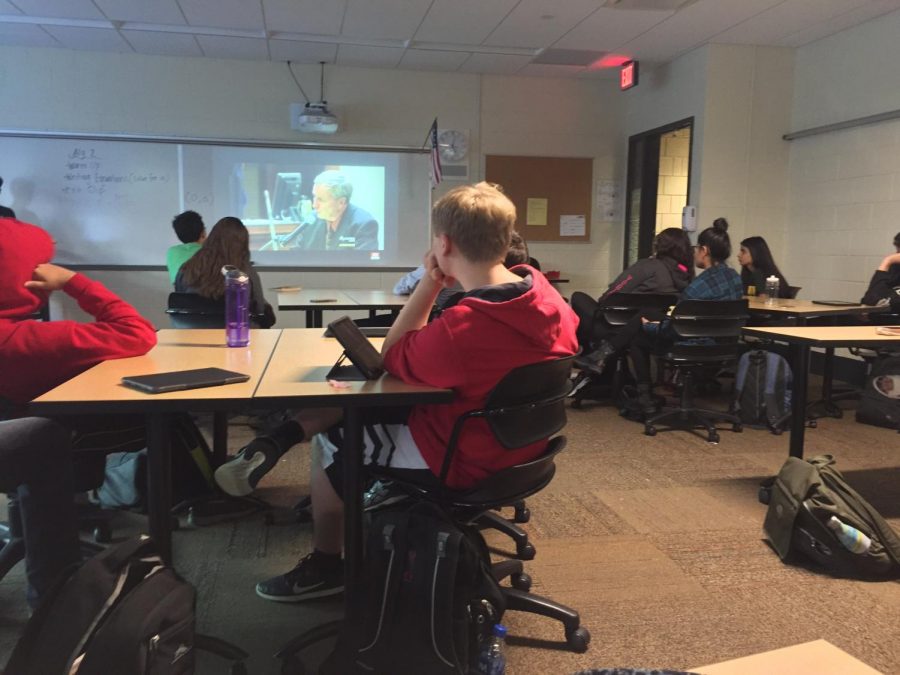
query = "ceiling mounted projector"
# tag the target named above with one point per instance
(316, 118)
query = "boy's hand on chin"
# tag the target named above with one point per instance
(435, 273)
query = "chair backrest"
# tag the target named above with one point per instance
(528, 405)
(189, 310)
(719, 319)
(619, 308)
(793, 290)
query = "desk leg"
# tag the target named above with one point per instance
(310, 318)
(159, 483)
(353, 542)
(800, 362)
(220, 438)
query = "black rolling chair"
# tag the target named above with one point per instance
(526, 406)
(610, 314)
(708, 332)
(189, 310)
(793, 291)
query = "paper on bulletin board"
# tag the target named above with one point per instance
(536, 209)
(571, 226)
(607, 198)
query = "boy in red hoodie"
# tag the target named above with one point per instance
(36, 356)
(505, 319)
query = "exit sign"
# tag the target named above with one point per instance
(628, 76)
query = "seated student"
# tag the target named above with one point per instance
(5, 211)
(507, 318)
(36, 467)
(652, 332)
(36, 356)
(757, 265)
(885, 284)
(669, 270)
(191, 231)
(228, 243)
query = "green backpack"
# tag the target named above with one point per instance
(803, 497)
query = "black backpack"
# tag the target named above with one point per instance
(879, 403)
(121, 613)
(762, 390)
(803, 497)
(428, 601)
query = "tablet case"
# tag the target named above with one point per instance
(178, 380)
(362, 353)
(835, 303)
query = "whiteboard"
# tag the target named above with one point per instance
(110, 201)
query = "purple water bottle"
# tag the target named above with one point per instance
(237, 307)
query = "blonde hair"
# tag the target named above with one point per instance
(479, 219)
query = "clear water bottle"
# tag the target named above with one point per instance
(492, 660)
(851, 539)
(772, 284)
(237, 307)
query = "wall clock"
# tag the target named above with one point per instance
(453, 145)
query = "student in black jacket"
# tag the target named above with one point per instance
(885, 283)
(757, 265)
(669, 270)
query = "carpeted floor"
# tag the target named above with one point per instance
(656, 541)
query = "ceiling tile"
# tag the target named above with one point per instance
(142, 11)
(464, 22)
(6, 8)
(855, 16)
(422, 59)
(608, 29)
(693, 26)
(386, 20)
(322, 17)
(540, 70)
(240, 14)
(371, 57)
(494, 64)
(92, 39)
(20, 35)
(302, 52)
(218, 47)
(60, 9)
(162, 44)
(538, 23)
(772, 25)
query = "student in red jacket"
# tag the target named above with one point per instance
(506, 318)
(36, 356)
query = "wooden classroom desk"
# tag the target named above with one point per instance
(801, 339)
(802, 310)
(295, 378)
(339, 299)
(818, 657)
(99, 391)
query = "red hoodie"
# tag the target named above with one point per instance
(36, 356)
(469, 349)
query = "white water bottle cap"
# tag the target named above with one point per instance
(772, 279)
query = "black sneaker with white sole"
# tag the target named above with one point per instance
(238, 477)
(309, 580)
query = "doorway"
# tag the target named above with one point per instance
(658, 185)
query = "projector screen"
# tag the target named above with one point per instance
(110, 201)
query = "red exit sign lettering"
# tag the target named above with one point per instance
(628, 75)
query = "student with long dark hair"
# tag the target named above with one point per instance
(228, 243)
(757, 265)
(669, 270)
(650, 332)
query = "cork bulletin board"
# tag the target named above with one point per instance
(552, 194)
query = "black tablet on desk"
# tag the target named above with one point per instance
(836, 303)
(366, 360)
(368, 331)
(178, 380)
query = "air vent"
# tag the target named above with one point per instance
(650, 5)
(567, 57)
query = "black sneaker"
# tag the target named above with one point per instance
(307, 581)
(238, 477)
(595, 362)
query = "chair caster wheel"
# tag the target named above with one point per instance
(578, 640)
(712, 438)
(102, 534)
(523, 515)
(778, 431)
(526, 551)
(521, 582)
(650, 431)
(813, 424)
(737, 428)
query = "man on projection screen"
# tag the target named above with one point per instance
(339, 225)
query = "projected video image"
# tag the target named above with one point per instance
(311, 207)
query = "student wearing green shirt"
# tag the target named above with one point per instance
(191, 231)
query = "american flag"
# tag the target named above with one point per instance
(436, 174)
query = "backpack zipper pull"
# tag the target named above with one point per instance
(386, 534)
(442, 544)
